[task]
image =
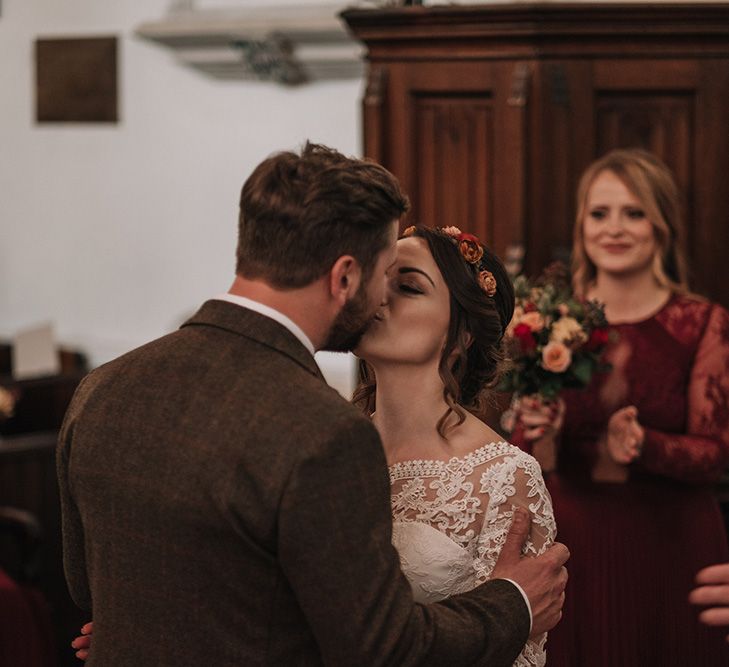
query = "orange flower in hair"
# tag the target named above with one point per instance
(470, 248)
(488, 282)
(472, 251)
(409, 231)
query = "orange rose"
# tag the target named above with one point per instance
(471, 251)
(556, 357)
(488, 282)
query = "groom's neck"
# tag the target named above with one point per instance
(306, 306)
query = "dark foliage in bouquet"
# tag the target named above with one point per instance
(555, 341)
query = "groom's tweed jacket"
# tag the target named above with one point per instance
(223, 506)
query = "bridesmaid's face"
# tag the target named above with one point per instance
(412, 324)
(618, 237)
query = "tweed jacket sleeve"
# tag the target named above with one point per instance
(335, 549)
(74, 556)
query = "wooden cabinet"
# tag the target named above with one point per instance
(488, 114)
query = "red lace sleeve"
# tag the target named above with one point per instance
(702, 454)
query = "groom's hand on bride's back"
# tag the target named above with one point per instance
(543, 578)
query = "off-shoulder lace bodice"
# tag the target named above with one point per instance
(450, 520)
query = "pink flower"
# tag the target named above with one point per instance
(452, 231)
(556, 357)
(533, 320)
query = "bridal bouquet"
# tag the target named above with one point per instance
(554, 340)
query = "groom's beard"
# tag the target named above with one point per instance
(351, 324)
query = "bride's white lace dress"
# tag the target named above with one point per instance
(450, 520)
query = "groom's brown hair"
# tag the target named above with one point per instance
(300, 212)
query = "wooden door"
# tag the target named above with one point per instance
(454, 133)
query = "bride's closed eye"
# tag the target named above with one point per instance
(409, 288)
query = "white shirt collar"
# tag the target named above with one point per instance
(272, 313)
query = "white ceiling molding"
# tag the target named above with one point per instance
(285, 44)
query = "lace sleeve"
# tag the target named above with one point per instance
(702, 454)
(511, 481)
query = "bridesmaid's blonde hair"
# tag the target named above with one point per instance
(652, 183)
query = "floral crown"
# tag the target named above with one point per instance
(471, 251)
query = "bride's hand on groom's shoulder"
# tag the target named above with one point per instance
(542, 578)
(82, 643)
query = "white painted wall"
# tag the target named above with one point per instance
(116, 233)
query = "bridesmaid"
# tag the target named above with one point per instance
(638, 451)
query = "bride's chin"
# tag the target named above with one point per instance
(365, 350)
(361, 351)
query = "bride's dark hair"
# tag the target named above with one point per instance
(472, 357)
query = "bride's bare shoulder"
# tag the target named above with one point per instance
(473, 434)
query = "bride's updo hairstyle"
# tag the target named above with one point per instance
(482, 304)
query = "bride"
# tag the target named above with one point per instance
(428, 358)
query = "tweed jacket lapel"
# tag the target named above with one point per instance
(254, 326)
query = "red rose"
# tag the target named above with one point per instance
(523, 333)
(598, 339)
(530, 307)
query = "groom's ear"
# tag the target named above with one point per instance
(344, 279)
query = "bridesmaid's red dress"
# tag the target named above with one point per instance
(636, 546)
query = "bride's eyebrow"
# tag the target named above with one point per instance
(412, 269)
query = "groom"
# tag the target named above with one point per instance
(223, 506)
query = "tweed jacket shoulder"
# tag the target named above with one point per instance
(223, 506)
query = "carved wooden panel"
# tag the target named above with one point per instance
(454, 145)
(373, 113)
(435, 128)
(661, 123)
